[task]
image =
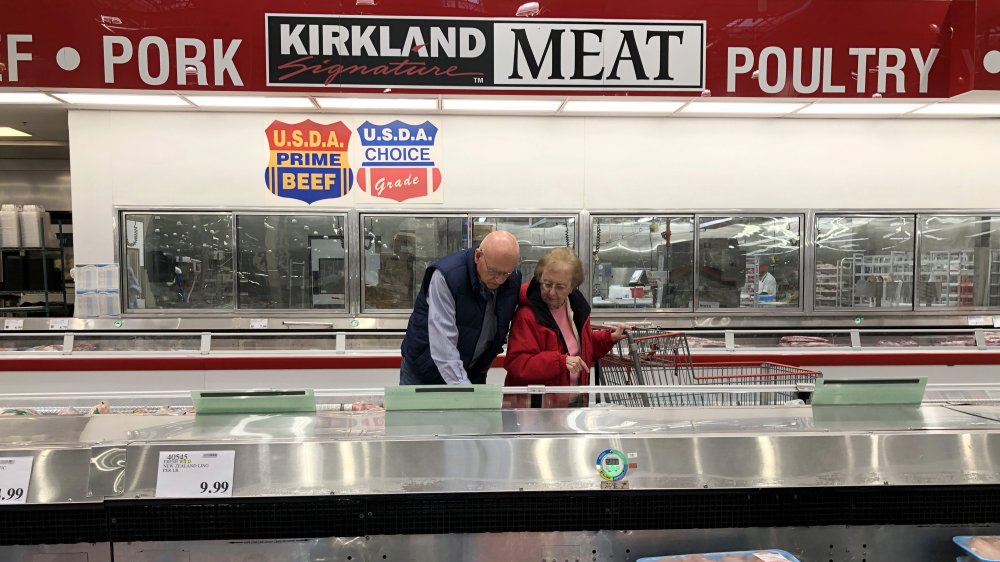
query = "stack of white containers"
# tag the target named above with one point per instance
(10, 229)
(32, 229)
(97, 293)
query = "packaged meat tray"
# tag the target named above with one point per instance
(770, 555)
(982, 547)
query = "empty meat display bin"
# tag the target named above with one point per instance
(769, 555)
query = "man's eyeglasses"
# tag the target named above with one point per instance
(549, 286)
(494, 273)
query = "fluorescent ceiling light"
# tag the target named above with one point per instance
(610, 106)
(737, 108)
(32, 143)
(251, 101)
(121, 99)
(423, 104)
(11, 132)
(959, 109)
(499, 105)
(889, 108)
(25, 97)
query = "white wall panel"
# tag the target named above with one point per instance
(513, 162)
(206, 160)
(792, 163)
(90, 163)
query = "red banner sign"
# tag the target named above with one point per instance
(817, 48)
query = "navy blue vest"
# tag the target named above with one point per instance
(459, 270)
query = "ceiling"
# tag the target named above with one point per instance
(48, 128)
(47, 123)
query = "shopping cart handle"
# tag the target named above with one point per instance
(627, 325)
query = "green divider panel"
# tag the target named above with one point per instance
(443, 397)
(253, 401)
(857, 392)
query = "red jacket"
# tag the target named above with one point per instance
(536, 350)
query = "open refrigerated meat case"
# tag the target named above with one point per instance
(352, 480)
(301, 353)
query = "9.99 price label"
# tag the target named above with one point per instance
(214, 487)
(195, 474)
(15, 475)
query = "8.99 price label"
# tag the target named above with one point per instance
(195, 474)
(15, 476)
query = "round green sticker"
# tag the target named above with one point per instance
(612, 464)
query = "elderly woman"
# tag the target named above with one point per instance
(550, 339)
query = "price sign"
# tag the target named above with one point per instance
(15, 475)
(258, 323)
(195, 474)
(13, 324)
(59, 324)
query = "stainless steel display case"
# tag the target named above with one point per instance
(455, 484)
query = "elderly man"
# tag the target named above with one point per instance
(462, 314)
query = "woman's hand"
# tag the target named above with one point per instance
(575, 364)
(618, 333)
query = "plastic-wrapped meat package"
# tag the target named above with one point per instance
(983, 547)
(956, 341)
(897, 343)
(364, 406)
(773, 555)
(804, 341)
(694, 341)
(84, 346)
(99, 408)
(18, 412)
(987, 548)
(69, 411)
(50, 347)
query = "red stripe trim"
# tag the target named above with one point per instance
(861, 359)
(356, 362)
(194, 363)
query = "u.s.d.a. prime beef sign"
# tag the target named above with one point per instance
(314, 50)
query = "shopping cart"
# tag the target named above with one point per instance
(659, 358)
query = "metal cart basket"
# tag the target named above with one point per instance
(659, 358)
